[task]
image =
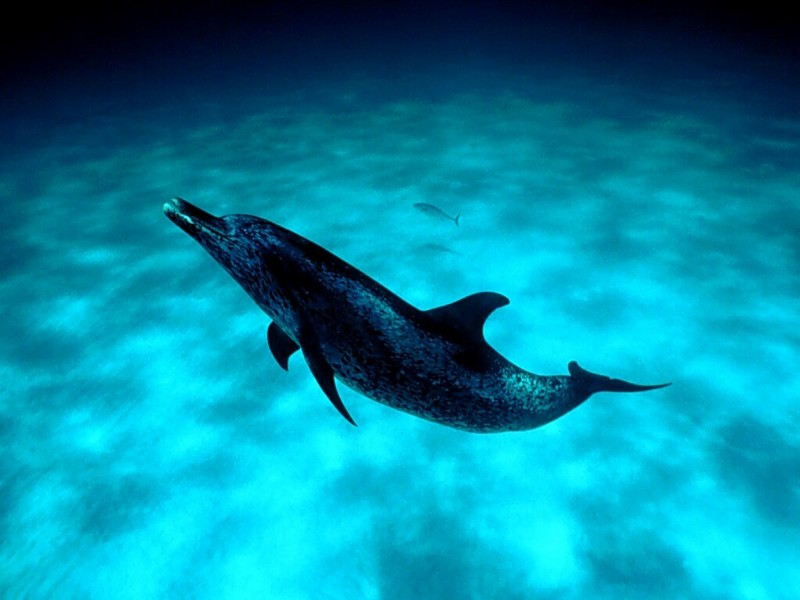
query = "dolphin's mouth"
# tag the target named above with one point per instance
(193, 220)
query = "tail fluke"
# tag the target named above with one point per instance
(591, 383)
(458, 216)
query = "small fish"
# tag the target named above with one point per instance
(437, 248)
(435, 211)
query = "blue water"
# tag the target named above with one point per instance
(629, 180)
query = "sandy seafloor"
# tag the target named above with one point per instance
(641, 212)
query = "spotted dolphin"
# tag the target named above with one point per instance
(434, 364)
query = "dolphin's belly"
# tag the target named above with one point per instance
(393, 360)
(425, 379)
(462, 404)
(384, 350)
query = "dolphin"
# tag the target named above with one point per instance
(434, 364)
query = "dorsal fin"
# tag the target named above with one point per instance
(465, 318)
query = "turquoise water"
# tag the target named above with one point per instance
(632, 189)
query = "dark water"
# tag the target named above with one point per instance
(629, 177)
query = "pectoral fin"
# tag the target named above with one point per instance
(281, 345)
(323, 373)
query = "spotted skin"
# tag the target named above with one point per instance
(433, 364)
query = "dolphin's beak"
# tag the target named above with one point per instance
(193, 220)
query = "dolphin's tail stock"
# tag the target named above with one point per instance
(587, 383)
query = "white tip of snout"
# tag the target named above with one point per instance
(173, 211)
